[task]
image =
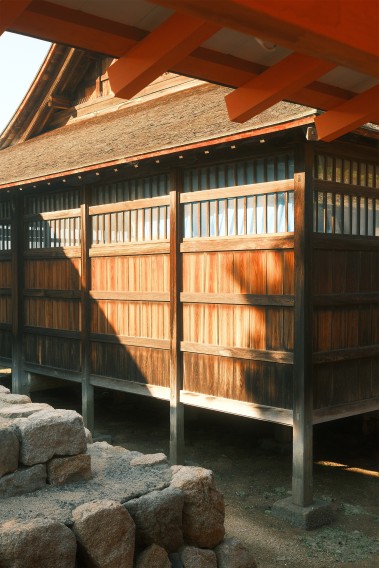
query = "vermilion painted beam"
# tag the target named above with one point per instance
(342, 31)
(158, 52)
(9, 12)
(349, 115)
(53, 22)
(275, 84)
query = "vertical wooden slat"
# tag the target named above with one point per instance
(302, 474)
(19, 378)
(176, 379)
(87, 389)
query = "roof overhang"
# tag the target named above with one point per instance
(321, 54)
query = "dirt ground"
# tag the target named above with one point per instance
(252, 465)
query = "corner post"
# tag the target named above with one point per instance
(19, 377)
(302, 468)
(176, 407)
(87, 388)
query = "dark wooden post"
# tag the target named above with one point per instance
(176, 407)
(19, 377)
(87, 388)
(302, 473)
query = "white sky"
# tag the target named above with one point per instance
(20, 58)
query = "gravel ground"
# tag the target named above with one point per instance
(252, 465)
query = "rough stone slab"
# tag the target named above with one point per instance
(204, 509)
(106, 534)
(158, 518)
(46, 434)
(153, 557)
(4, 390)
(36, 544)
(193, 557)
(9, 449)
(232, 554)
(88, 436)
(69, 469)
(14, 411)
(308, 518)
(149, 459)
(6, 399)
(23, 480)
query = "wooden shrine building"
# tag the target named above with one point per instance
(153, 246)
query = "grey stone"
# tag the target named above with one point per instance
(106, 534)
(153, 557)
(46, 434)
(149, 459)
(175, 560)
(193, 557)
(158, 518)
(4, 390)
(204, 509)
(23, 410)
(69, 469)
(9, 449)
(232, 554)
(36, 544)
(89, 438)
(6, 399)
(316, 515)
(23, 480)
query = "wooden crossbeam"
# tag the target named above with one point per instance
(275, 84)
(169, 43)
(349, 115)
(341, 31)
(10, 11)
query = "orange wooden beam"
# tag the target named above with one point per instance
(342, 31)
(158, 52)
(10, 11)
(349, 115)
(275, 84)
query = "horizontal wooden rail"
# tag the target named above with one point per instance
(357, 298)
(53, 252)
(345, 354)
(52, 332)
(6, 361)
(130, 249)
(237, 407)
(132, 341)
(54, 372)
(53, 215)
(343, 410)
(130, 205)
(5, 254)
(132, 387)
(285, 357)
(131, 296)
(5, 292)
(5, 326)
(345, 189)
(237, 191)
(54, 294)
(345, 242)
(238, 299)
(247, 242)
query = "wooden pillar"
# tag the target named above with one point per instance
(176, 407)
(302, 472)
(19, 377)
(87, 388)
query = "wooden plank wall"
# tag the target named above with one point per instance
(5, 283)
(346, 280)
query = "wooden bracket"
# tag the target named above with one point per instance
(275, 84)
(349, 115)
(158, 52)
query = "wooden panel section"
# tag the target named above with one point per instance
(52, 352)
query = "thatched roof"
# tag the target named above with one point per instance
(183, 118)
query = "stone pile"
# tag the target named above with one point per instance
(132, 511)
